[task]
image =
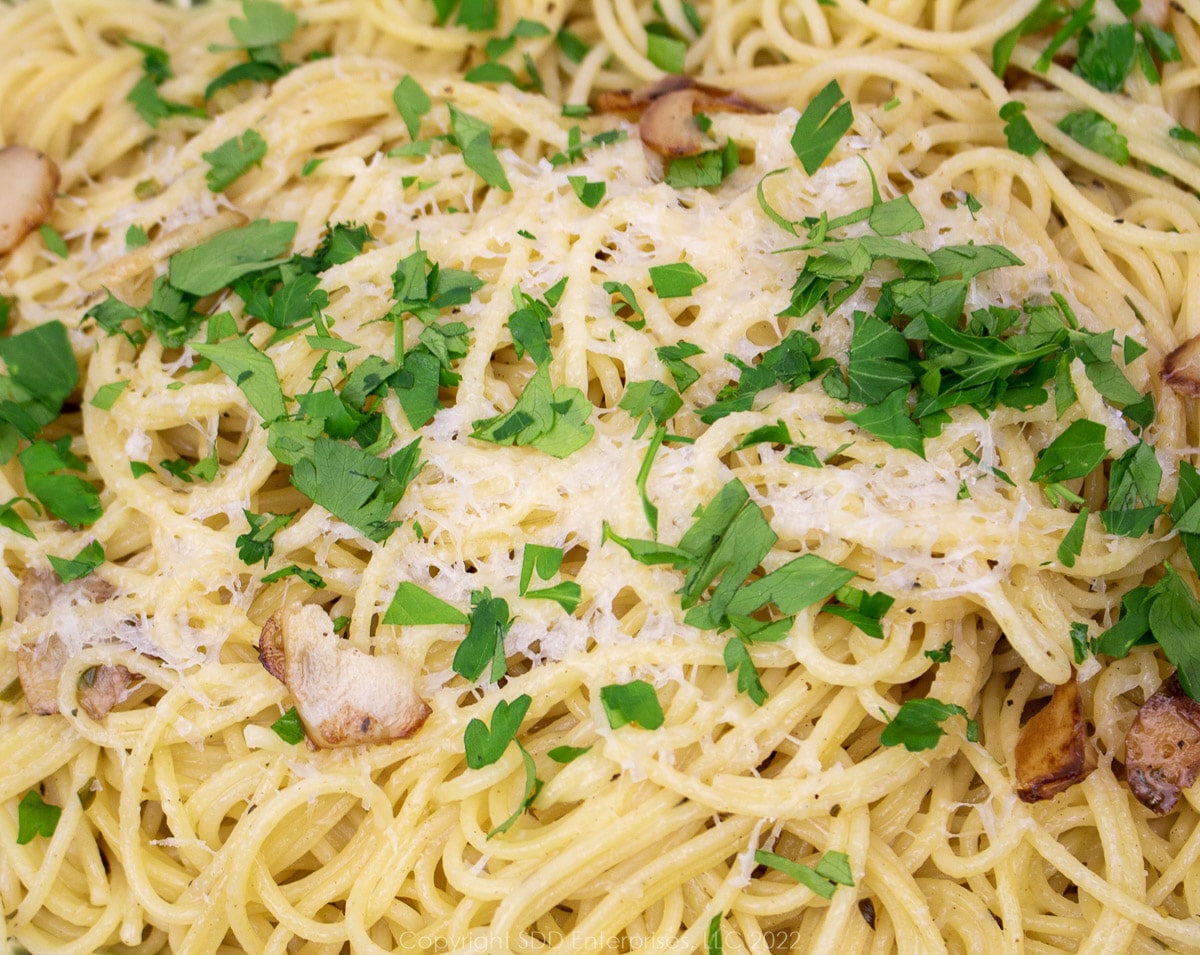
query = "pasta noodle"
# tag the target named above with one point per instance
(697, 761)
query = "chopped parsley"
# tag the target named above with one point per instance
(587, 192)
(41, 374)
(35, 818)
(414, 606)
(258, 544)
(676, 279)
(831, 870)
(1167, 613)
(107, 394)
(145, 96)
(230, 255)
(824, 121)
(289, 728)
(79, 566)
(633, 703)
(1090, 129)
(234, 158)
(252, 371)
(1018, 130)
(474, 138)
(65, 495)
(356, 486)
(15, 522)
(54, 240)
(413, 102)
(553, 420)
(544, 562)
(482, 649)
(704, 170)
(484, 745)
(917, 725)
(309, 576)
(260, 34)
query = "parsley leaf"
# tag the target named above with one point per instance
(572, 47)
(1072, 542)
(1073, 454)
(545, 563)
(1018, 130)
(265, 27)
(1106, 56)
(41, 374)
(413, 102)
(737, 657)
(889, 421)
(831, 870)
(634, 702)
(82, 564)
(251, 370)
(356, 486)
(1080, 645)
(474, 138)
(289, 728)
(629, 302)
(145, 97)
(577, 145)
(553, 420)
(587, 192)
(529, 325)
(485, 746)
(676, 280)
(258, 543)
(414, 606)
(704, 170)
(233, 158)
(1174, 620)
(66, 496)
(478, 15)
(649, 508)
(1090, 129)
(533, 786)
(423, 288)
(1046, 13)
(35, 818)
(567, 754)
(648, 401)
(673, 356)
(219, 261)
(917, 724)
(483, 646)
(820, 127)
(664, 48)
(864, 610)
(13, 521)
(309, 576)
(790, 363)
(107, 394)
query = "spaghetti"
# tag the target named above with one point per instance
(541, 411)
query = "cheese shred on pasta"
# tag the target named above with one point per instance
(716, 769)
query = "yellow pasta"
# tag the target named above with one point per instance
(182, 818)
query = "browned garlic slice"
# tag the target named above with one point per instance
(342, 695)
(28, 180)
(1162, 748)
(667, 109)
(1181, 368)
(1053, 749)
(40, 664)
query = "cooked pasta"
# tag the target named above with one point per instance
(436, 520)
